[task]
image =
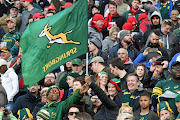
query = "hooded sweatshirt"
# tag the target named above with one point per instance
(156, 13)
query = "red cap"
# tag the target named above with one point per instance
(97, 17)
(51, 7)
(37, 15)
(127, 26)
(132, 20)
(28, 0)
(142, 16)
(68, 4)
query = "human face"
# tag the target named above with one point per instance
(36, 19)
(159, 69)
(45, 11)
(127, 38)
(174, 14)
(25, 3)
(72, 112)
(144, 102)
(175, 72)
(69, 64)
(114, 36)
(165, 29)
(154, 38)
(14, 12)
(112, 90)
(103, 79)
(114, 70)
(39, 118)
(155, 20)
(91, 47)
(112, 9)
(44, 97)
(178, 106)
(76, 68)
(95, 10)
(11, 25)
(70, 81)
(18, 4)
(34, 89)
(76, 85)
(49, 80)
(140, 71)
(5, 55)
(122, 54)
(132, 83)
(94, 67)
(3, 69)
(99, 23)
(53, 95)
(135, 4)
(165, 115)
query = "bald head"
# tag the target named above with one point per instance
(122, 54)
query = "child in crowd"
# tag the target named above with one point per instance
(43, 115)
(125, 109)
(145, 113)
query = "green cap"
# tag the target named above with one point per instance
(77, 61)
(177, 99)
(163, 105)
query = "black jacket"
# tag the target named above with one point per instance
(109, 108)
(25, 101)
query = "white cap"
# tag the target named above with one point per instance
(3, 62)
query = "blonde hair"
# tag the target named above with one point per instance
(123, 107)
(113, 29)
(121, 116)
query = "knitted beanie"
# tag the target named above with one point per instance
(96, 42)
(117, 83)
(51, 87)
(142, 16)
(123, 33)
(44, 114)
(127, 26)
(97, 17)
(160, 60)
(132, 20)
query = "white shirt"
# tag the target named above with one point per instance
(10, 83)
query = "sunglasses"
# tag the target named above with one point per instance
(54, 91)
(166, 20)
(72, 113)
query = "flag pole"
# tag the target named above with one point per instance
(87, 63)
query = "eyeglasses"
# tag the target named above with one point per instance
(72, 113)
(166, 20)
(54, 91)
(176, 68)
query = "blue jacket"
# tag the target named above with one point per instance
(170, 7)
(132, 51)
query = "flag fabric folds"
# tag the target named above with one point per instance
(48, 43)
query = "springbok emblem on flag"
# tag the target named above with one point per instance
(60, 38)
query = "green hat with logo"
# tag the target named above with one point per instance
(77, 61)
(163, 105)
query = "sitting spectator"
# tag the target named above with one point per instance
(145, 113)
(110, 40)
(123, 56)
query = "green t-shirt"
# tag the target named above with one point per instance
(143, 117)
(164, 10)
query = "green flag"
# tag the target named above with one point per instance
(48, 43)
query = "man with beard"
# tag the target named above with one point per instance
(125, 41)
(29, 100)
(50, 79)
(154, 44)
(165, 7)
(172, 84)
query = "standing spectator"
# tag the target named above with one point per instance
(29, 100)
(30, 10)
(165, 7)
(10, 82)
(95, 49)
(125, 41)
(96, 25)
(13, 14)
(8, 39)
(134, 10)
(110, 40)
(174, 19)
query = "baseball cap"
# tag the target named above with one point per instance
(51, 7)
(5, 49)
(68, 4)
(3, 62)
(97, 59)
(37, 15)
(28, 0)
(77, 61)
(175, 63)
(11, 19)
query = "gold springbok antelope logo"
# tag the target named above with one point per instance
(60, 38)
